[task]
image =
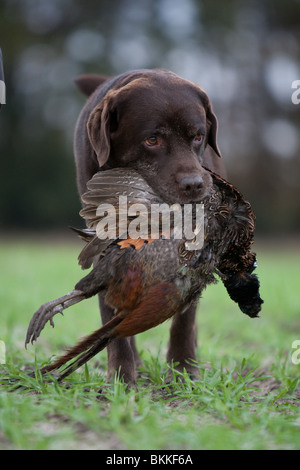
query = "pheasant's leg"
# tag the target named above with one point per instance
(183, 341)
(122, 354)
(47, 311)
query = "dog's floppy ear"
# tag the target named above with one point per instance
(88, 83)
(102, 121)
(212, 123)
(213, 130)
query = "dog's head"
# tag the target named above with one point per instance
(159, 124)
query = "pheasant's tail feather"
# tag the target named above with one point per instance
(78, 361)
(85, 350)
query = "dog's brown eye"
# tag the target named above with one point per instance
(152, 140)
(198, 138)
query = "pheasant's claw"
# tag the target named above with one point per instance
(47, 311)
(44, 314)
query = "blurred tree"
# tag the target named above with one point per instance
(244, 54)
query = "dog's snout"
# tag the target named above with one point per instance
(192, 184)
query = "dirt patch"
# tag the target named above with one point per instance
(270, 386)
(86, 439)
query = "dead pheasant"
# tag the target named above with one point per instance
(147, 280)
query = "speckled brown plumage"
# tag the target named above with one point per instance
(148, 283)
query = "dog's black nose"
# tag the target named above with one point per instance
(191, 185)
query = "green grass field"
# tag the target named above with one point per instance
(248, 397)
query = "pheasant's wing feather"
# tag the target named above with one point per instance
(106, 188)
(104, 208)
(93, 251)
(110, 184)
(86, 234)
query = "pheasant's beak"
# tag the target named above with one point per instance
(2, 83)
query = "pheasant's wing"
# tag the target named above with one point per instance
(113, 199)
(106, 188)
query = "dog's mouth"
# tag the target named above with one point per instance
(173, 195)
(197, 199)
(177, 198)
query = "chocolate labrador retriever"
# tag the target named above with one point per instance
(164, 127)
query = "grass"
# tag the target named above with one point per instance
(248, 396)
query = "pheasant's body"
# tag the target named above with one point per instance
(149, 284)
(148, 281)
